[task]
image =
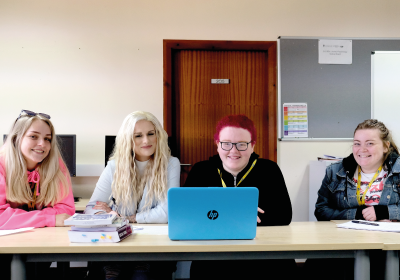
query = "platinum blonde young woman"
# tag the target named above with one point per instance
(136, 180)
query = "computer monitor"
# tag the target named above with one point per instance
(67, 143)
(110, 141)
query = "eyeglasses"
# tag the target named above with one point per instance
(241, 146)
(32, 114)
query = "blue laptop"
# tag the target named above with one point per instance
(212, 213)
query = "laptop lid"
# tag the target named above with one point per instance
(212, 213)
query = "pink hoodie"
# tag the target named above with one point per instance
(11, 217)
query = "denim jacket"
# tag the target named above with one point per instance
(337, 197)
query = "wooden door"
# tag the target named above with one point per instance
(196, 104)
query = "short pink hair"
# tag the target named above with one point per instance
(240, 121)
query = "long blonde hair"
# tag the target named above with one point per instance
(51, 176)
(127, 186)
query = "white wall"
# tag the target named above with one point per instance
(88, 63)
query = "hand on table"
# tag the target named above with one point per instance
(102, 206)
(369, 213)
(132, 219)
(60, 219)
(113, 212)
(260, 211)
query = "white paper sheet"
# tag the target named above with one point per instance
(151, 230)
(382, 226)
(12, 231)
(335, 51)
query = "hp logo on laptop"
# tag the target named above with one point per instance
(212, 215)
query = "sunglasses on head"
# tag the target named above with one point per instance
(32, 114)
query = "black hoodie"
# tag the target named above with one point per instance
(265, 176)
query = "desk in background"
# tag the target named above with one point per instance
(298, 240)
(316, 175)
(81, 205)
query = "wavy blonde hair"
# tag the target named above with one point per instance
(51, 175)
(127, 186)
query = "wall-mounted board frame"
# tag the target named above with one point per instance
(385, 83)
(338, 96)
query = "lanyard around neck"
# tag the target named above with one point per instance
(245, 175)
(361, 201)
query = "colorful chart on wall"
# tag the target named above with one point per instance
(295, 119)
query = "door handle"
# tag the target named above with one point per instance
(185, 164)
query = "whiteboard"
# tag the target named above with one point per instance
(385, 87)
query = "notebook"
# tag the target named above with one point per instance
(87, 219)
(212, 213)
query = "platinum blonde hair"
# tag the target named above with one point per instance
(54, 179)
(127, 186)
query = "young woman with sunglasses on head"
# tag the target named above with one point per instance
(236, 165)
(135, 183)
(35, 185)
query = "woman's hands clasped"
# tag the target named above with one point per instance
(369, 214)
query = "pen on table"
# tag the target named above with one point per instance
(365, 223)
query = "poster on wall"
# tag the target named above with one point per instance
(335, 51)
(295, 120)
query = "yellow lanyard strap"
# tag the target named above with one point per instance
(362, 201)
(245, 175)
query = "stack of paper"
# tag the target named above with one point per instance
(329, 158)
(98, 228)
(377, 226)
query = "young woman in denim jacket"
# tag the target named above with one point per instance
(375, 154)
(364, 186)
